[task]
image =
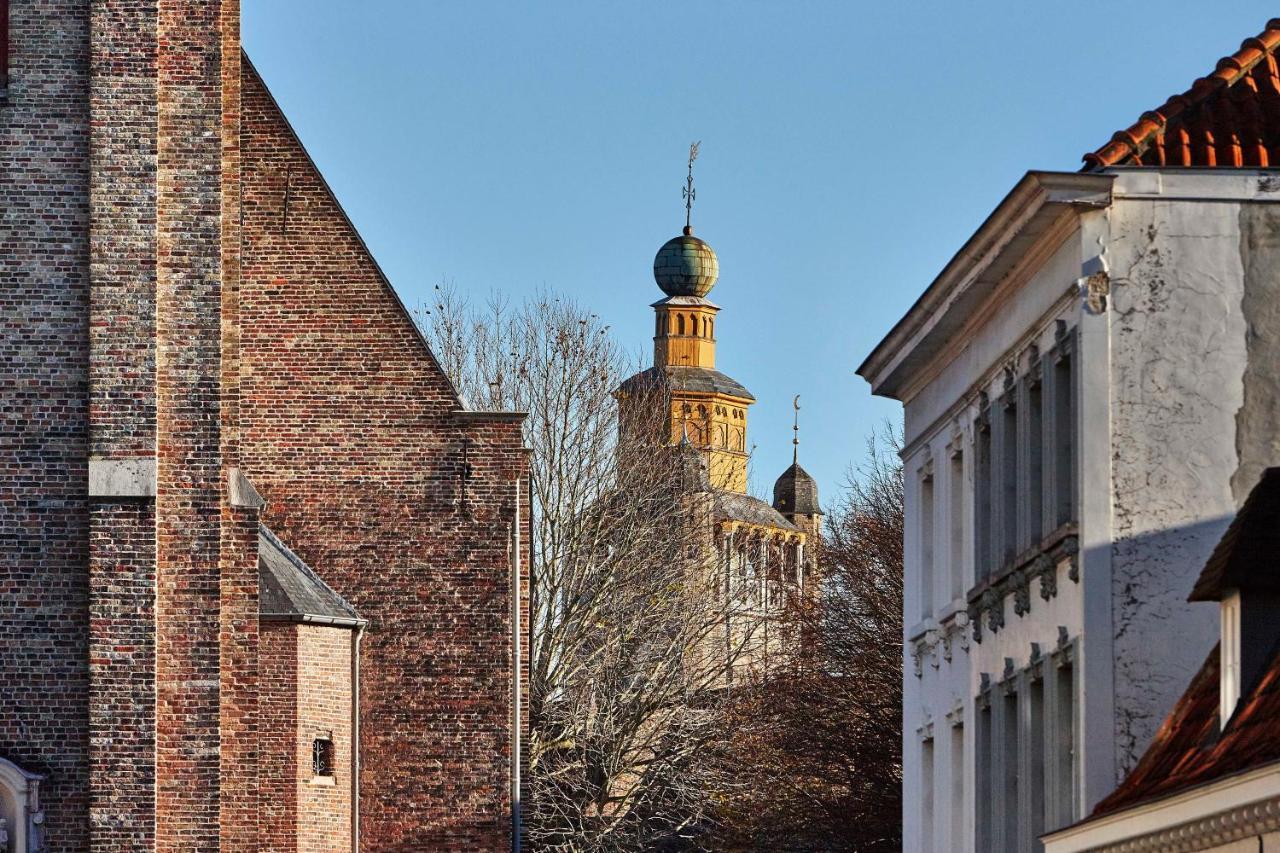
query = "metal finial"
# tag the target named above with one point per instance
(795, 432)
(689, 192)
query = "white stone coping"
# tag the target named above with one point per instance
(1238, 806)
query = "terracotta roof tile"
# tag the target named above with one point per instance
(1230, 118)
(1187, 752)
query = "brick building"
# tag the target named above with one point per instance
(262, 575)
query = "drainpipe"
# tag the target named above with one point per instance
(516, 649)
(356, 636)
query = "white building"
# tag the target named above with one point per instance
(1090, 389)
(1211, 779)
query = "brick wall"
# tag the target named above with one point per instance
(324, 706)
(347, 431)
(205, 562)
(122, 660)
(277, 745)
(44, 211)
(122, 102)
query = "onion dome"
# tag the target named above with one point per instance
(686, 266)
(796, 492)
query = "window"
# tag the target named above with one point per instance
(1035, 754)
(1064, 427)
(982, 497)
(679, 324)
(1229, 643)
(926, 542)
(322, 756)
(1034, 531)
(1061, 772)
(984, 802)
(926, 795)
(1008, 525)
(1009, 764)
(955, 509)
(957, 785)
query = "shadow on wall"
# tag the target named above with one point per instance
(1161, 639)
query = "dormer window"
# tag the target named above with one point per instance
(1241, 577)
(1229, 657)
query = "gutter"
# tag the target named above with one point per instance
(516, 704)
(332, 621)
(356, 637)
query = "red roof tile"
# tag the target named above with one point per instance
(1187, 752)
(1230, 118)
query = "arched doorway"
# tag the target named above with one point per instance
(19, 810)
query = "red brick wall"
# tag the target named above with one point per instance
(348, 433)
(122, 100)
(305, 691)
(277, 752)
(205, 565)
(44, 212)
(324, 706)
(122, 688)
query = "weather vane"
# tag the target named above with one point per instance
(689, 192)
(795, 432)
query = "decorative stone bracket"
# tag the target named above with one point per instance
(987, 607)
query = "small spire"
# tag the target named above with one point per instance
(795, 432)
(689, 192)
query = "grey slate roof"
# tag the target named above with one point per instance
(795, 491)
(702, 379)
(1245, 557)
(740, 507)
(290, 591)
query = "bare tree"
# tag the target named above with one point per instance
(815, 761)
(624, 700)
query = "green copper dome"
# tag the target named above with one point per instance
(686, 266)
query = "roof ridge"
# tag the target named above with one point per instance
(1230, 70)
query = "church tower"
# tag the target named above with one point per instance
(758, 556)
(707, 407)
(708, 410)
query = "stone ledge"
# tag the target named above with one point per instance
(132, 477)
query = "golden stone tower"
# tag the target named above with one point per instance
(758, 555)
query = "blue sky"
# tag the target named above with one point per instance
(848, 149)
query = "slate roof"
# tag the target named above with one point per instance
(1243, 558)
(682, 378)
(796, 491)
(290, 591)
(739, 507)
(1229, 118)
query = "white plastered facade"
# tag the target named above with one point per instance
(1149, 282)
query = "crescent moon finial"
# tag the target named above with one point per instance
(795, 432)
